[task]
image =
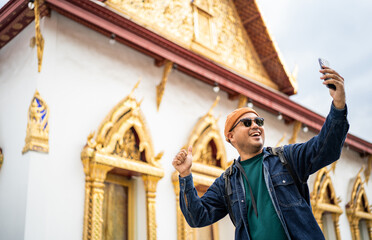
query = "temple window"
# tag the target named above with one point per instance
(114, 159)
(209, 162)
(325, 205)
(359, 212)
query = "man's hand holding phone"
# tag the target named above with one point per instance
(334, 82)
(325, 64)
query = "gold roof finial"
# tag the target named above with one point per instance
(134, 88)
(214, 105)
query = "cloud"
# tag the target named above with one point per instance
(335, 30)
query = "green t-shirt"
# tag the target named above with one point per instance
(267, 225)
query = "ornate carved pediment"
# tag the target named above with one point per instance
(358, 208)
(324, 200)
(358, 199)
(209, 155)
(209, 27)
(123, 141)
(324, 191)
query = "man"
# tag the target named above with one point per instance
(265, 201)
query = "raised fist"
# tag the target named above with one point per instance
(182, 162)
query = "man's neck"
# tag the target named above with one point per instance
(248, 155)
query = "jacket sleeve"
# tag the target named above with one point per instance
(205, 210)
(321, 150)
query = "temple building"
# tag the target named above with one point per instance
(98, 96)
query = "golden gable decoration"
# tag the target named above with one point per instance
(37, 134)
(211, 28)
(38, 36)
(323, 200)
(368, 170)
(123, 145)
(209, 162)
(1, 157)
(204, 39)
(358, 209)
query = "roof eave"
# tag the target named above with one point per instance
(268, 53)
(103, 20)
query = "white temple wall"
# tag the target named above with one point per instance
(17, 84)
(82, 78)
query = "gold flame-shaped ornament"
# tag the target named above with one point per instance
(1, 157)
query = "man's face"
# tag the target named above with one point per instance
(248, 139)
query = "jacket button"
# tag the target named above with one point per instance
(242, 200)
(283, 181)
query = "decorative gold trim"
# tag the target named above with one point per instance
(358, 208)
(368, 170)
(161, 86)
(216, 232)
(323, 199)
(205, 131)
(207, 170)
(242, 101)
(281, 140)
(150, 187)
(37, 135)
(122, 143)
(1, 157)
(184, 231)
(128, 164)
(38, 36)
(333, 166)
(96, 194)
(204, 171)
(296, 129)
(124, 116)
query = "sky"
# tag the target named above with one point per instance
(339, 31)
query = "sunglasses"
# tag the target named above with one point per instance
(248, 122)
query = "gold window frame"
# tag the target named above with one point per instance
(99, 156)
(358, 208)
(120, 180)
(205, 130)
(323, 200)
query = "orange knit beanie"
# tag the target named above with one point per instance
(234, 116)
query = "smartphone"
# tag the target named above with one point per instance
(323, 62)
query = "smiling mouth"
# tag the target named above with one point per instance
(255, 134)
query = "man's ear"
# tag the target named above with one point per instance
(230, 135)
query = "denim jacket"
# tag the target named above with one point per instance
(293, 210)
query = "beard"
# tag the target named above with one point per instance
(249, 147)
